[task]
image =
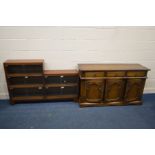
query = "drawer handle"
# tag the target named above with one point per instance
(62, 87)
(61, 76)
(64, 81)
(26, 77)
(39, 88)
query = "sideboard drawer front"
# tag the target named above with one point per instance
(94, 74)
(115, 74)
(19, 92)
(136, 73)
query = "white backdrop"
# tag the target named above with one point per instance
(65, 47)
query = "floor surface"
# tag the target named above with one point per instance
(68, 115)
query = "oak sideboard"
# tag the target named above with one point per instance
(111, 84)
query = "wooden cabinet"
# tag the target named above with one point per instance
(61, 84)
(99, 84)
(111, 84)
(27, 81)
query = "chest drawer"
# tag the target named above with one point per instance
(93, 74)
(115, 74)
(136, 73)
(61, 79)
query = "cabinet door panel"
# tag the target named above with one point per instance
(114, 90)
(94, 90)
(134, 90)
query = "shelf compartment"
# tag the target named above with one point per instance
(27, 98)
(19, 92)
(23, 74)
(62, 90)
(61, 79)
(13, 69)
(26, 80)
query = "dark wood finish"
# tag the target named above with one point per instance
(100, 84)
(111, 84)
(27, 81)
(61, 84)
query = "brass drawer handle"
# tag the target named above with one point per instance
(26, 77)
(61, 76)
(62, 87)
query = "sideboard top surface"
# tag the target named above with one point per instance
(106, 67)
(24, 61)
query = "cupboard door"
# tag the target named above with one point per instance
(94, 90)
(114, 90)
(134, 90)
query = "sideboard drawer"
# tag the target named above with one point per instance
(115, 74)
(93, 74)
(136, 73)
